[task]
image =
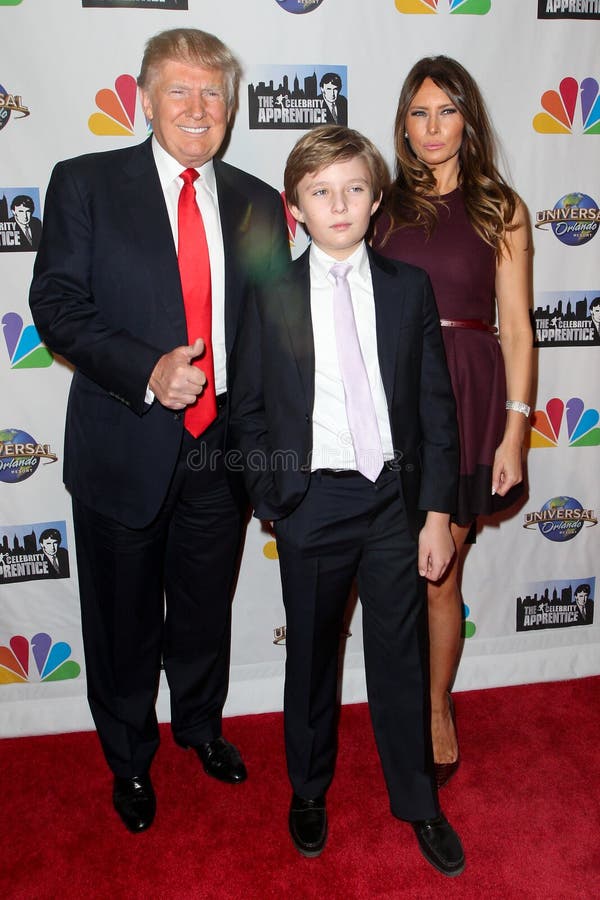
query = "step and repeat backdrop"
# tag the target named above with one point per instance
(67, 86)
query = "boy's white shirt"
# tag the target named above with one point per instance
(332, 444)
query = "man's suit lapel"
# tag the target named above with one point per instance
(295, 308)
(144, 202)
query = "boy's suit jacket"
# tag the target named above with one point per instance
(273, 391)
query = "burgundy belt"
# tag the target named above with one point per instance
(475, 324)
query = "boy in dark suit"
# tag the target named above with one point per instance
(343, 411)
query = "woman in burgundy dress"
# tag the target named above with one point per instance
(451, 212)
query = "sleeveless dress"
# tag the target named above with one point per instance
(462, 269)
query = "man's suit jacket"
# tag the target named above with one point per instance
(35, 226)
(342, 110)
(273, 390)
(62, 558)
(106, 295)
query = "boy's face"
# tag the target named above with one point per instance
(336, 204)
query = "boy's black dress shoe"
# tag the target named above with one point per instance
(440, 845)
(308, 825)
(135, 801)
(222, 760)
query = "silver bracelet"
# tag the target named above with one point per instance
(518, 407)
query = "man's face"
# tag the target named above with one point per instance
(22, 214)
(330, 92)
(596, 314)
(50, 546)
(187, 107)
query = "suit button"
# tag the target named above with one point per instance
(307, 418)
(177, 416)
(409, 467)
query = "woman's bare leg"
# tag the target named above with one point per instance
(445, 619)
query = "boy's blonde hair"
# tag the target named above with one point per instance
(328, 144)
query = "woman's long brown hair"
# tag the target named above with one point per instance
(489, 201)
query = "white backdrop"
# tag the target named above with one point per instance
(59, 65)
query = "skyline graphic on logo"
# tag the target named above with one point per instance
(299, 96)
(51, 660)
(568, 9)
(567, 318)
(560, 107)
(556, 604)
(456, 7)
(117, 109)
(581, 423)
(36, 551)
(25, 347)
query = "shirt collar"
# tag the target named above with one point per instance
(169, 169)
(321, 263)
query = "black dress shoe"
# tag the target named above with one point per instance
(308, 825)
(135, 801)
(440, 845)
(222, 760)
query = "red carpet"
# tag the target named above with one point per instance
(526, 802)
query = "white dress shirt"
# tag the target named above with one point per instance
(332, 442)
(205, 186)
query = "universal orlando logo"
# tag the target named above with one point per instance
(11, 103)
(560, 519)
(574, 219)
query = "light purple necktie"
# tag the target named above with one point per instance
(360, 407)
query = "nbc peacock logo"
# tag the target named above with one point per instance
(23, 343)
(581, 424)
(116, 116)
(35, 661)
(560, 108)
(454, 7)
(469, 627)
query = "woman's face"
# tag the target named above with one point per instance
(434, 126)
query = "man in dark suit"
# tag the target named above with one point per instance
(28, 228)
(133, 250)
(584, 603)
(343, 410)
(595, 317)
(336, 105)
(57, 558)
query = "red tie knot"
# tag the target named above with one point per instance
(189, 176)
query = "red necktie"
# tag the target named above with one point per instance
(194, 271)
